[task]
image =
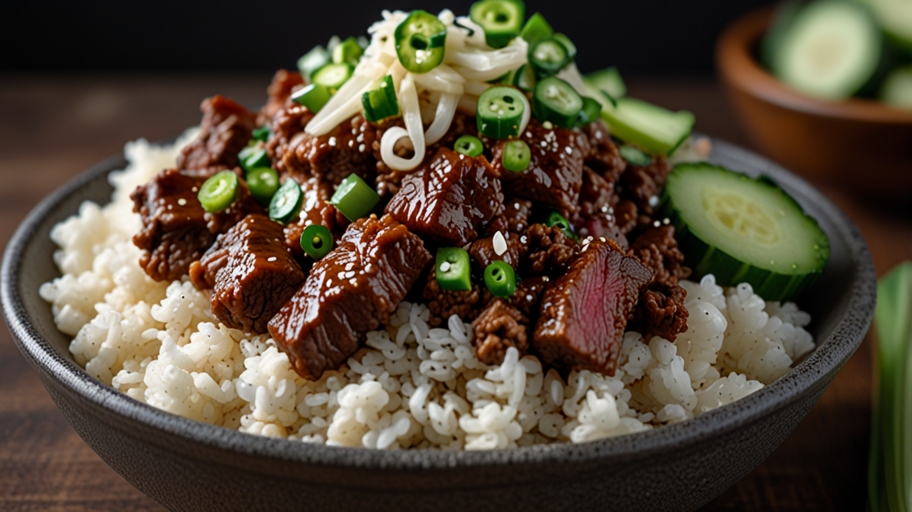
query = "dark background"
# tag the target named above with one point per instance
(642, 37)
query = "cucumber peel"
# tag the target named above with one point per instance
(655, 130)
(608, 80)
(742, 229)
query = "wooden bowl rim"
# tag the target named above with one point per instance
(736, 63)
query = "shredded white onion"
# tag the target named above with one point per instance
(414, 130)
(527, 114)
(453, 85)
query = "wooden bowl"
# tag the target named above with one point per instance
(860, 145)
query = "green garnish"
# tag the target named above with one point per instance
(536, 28)
(453, 269)
(468, 145)
(354, 198)
(286, 203)
(262, 133)
(316, 241)
(380, 102)
(556, 220)
(218, 192)
(516, 155)
(252, 157)
(634, 156)
(314, 97)
(548, 55)
(347, 51)
(420, 41)
(263, 183)
(501, 20)
(333, 75)
(500, 279)
(556, 101)
(499, 112)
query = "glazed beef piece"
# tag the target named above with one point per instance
(513, 219)
(661, 311)
(499, 327)
(175, 229)
(251, 273)
(283, 84)
(350, 291)
(449, 199)
(555, 170)
(584, 312)
(331, 157)
(483, 253)
(225, 130)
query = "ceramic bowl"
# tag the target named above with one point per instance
(188, 465)
(861, 145)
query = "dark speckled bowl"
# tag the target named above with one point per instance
(187, 465)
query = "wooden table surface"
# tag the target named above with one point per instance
(53, 127)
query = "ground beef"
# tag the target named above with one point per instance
(549, 251)
(601, 153)
(513, 219)
(225, 130)
(660, 310)
(482, 251)
(499, 327)
(626, 216)
(287, 124)
(527, 297)
(596, 216)
(284, 82)
(445, 303)
(643, 184)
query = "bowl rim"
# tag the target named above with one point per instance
(829, 355)
(737, 64)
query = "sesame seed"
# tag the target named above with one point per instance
(500, 244)
(445, 266)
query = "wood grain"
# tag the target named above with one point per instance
(53, 127)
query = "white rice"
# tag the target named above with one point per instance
(412, 386)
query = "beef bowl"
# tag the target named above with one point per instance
(190, 465)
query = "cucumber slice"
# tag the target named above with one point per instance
(742, 229)
(897, 88)
(653, 129)
(895, 16)
(782, 20)
(831, 50)
(608, 80)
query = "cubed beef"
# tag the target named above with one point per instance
(283, 84)
(555, 170)
(449, 199)
(254, 276)
(513, 219)
(483, 253)
(346, 149)
(225, 130)
(584, 312)
(176, 231)
(350, 291)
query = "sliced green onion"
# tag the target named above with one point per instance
(568, 44)
(218, 192)
(313, 60)
(501, 20)
(500, 279)
(420, 41)
(890, 459)
(590, 113)
(499, 112)
(468, 145)
(634, 156)
(333, 75)
(453, 269)
(536, 28)
(316, 241)
(263, 183)
(286, 203)
(354, 198)
(516, 155)
(262, 133)
(347, 51)
(556, 101)
(524, 78)
(252, 157)
(556, 220)
(314, 96)
(380, 102)
(547, 56)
